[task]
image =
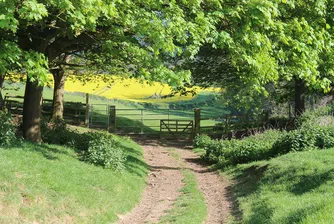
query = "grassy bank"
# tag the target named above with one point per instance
(49, 184)
(294, 188)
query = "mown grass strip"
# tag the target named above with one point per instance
(190, 207)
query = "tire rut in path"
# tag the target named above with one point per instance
(212, 185)
(163, 186)
(165, 181)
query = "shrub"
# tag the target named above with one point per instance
(305, 139)
(235, 151)
(201, 141)
(7, 130)
(56, 132)
(105, 151)
(321, 116)
(98, 148)
(282, 123)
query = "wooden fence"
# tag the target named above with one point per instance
(74, 112)
(142, 121)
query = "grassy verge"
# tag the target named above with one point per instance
(294, 188)
(48, 184)
(190, 207)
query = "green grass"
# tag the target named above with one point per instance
(49, 184)
(199, 151)
(130, 120)
(190, 207)
(294, 188)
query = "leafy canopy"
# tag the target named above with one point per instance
(131, 35)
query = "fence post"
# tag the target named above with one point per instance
(226, 124)
(142, 121)
(9, 108)
(87, 110)
(87, 115)
(197, 121)
(112, 119)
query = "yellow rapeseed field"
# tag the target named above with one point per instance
(124, 89)
(128, 89)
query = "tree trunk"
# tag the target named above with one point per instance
(59, 78)
(32, 111)
(299, 97)
(2, 80)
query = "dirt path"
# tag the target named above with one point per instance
(212, 185)
(163, 186)
(165, 181)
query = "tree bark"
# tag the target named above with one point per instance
(59, 78)
(299, 97)
(32, 111)
(2, 80)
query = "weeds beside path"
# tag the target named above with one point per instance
(172, 171)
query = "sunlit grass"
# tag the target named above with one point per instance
(294, 188)
(49, 184)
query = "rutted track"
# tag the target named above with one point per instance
(163, 186)
(165, 181)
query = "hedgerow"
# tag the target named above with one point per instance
(236, 151)
(314, 131)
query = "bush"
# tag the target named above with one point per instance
(235, 151)
(105, 151)
(98, 148)
(56, 132)
(267, 145)
(7, 130)
(282, 123)
(321, 116)
(305, 139)
(201, 141)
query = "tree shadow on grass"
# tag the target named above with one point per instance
(126, 125)
(300, 214)
(133, 164)
(136, 166)
(244, 184)
(261, 213)
(47, 151)
(309, 183)
(248, 181)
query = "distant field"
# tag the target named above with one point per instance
(130, 94)
(129, 89)
(116, 88)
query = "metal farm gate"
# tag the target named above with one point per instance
(177, 128)
(146, 121)
(98, 116)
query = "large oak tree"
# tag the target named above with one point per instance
(45, 31)
(259, 42)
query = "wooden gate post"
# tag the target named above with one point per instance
(197, 113)
(112, 119)
(87, 110)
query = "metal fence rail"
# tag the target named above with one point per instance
(146, 121)
(98, 116)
